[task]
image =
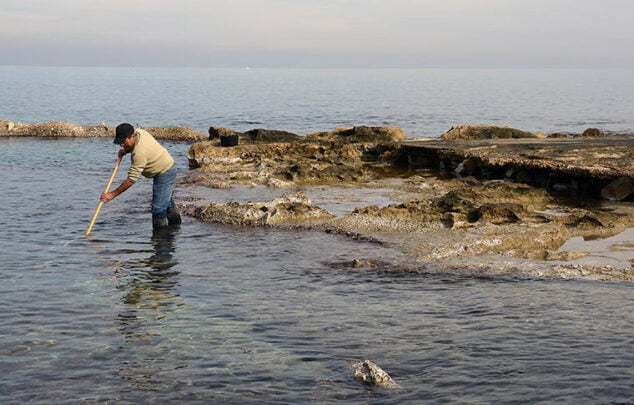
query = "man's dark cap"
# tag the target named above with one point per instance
(124, 131)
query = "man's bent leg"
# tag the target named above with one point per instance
(163, 186)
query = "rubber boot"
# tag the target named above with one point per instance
(173, 216)
(159, 223)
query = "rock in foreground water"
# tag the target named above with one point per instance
(371, 374)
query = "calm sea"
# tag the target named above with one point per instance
(425, 102)
(217, 314)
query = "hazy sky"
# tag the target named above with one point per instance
(318, 33)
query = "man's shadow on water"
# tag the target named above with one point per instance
(150, 286)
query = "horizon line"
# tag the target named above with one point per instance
(248, 67)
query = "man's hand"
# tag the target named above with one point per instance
(122, 152)
(109, 196)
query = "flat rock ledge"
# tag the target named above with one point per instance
(69, 130)
(580, 166)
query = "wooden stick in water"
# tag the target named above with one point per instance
(94, 217)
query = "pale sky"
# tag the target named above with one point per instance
(318, 33)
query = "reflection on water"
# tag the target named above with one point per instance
(148, 284)
(149, 294)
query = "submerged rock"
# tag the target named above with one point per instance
(485, 132)
(371, 374)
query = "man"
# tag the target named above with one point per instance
(151, 160)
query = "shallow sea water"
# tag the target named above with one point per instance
(216, 314)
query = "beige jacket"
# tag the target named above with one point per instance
(148, 157)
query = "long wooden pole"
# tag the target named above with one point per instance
(94, 217)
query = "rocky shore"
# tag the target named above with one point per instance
(479, 200)
(489, 205)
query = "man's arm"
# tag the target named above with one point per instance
(125, 184)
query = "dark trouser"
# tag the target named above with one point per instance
(162, 189)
